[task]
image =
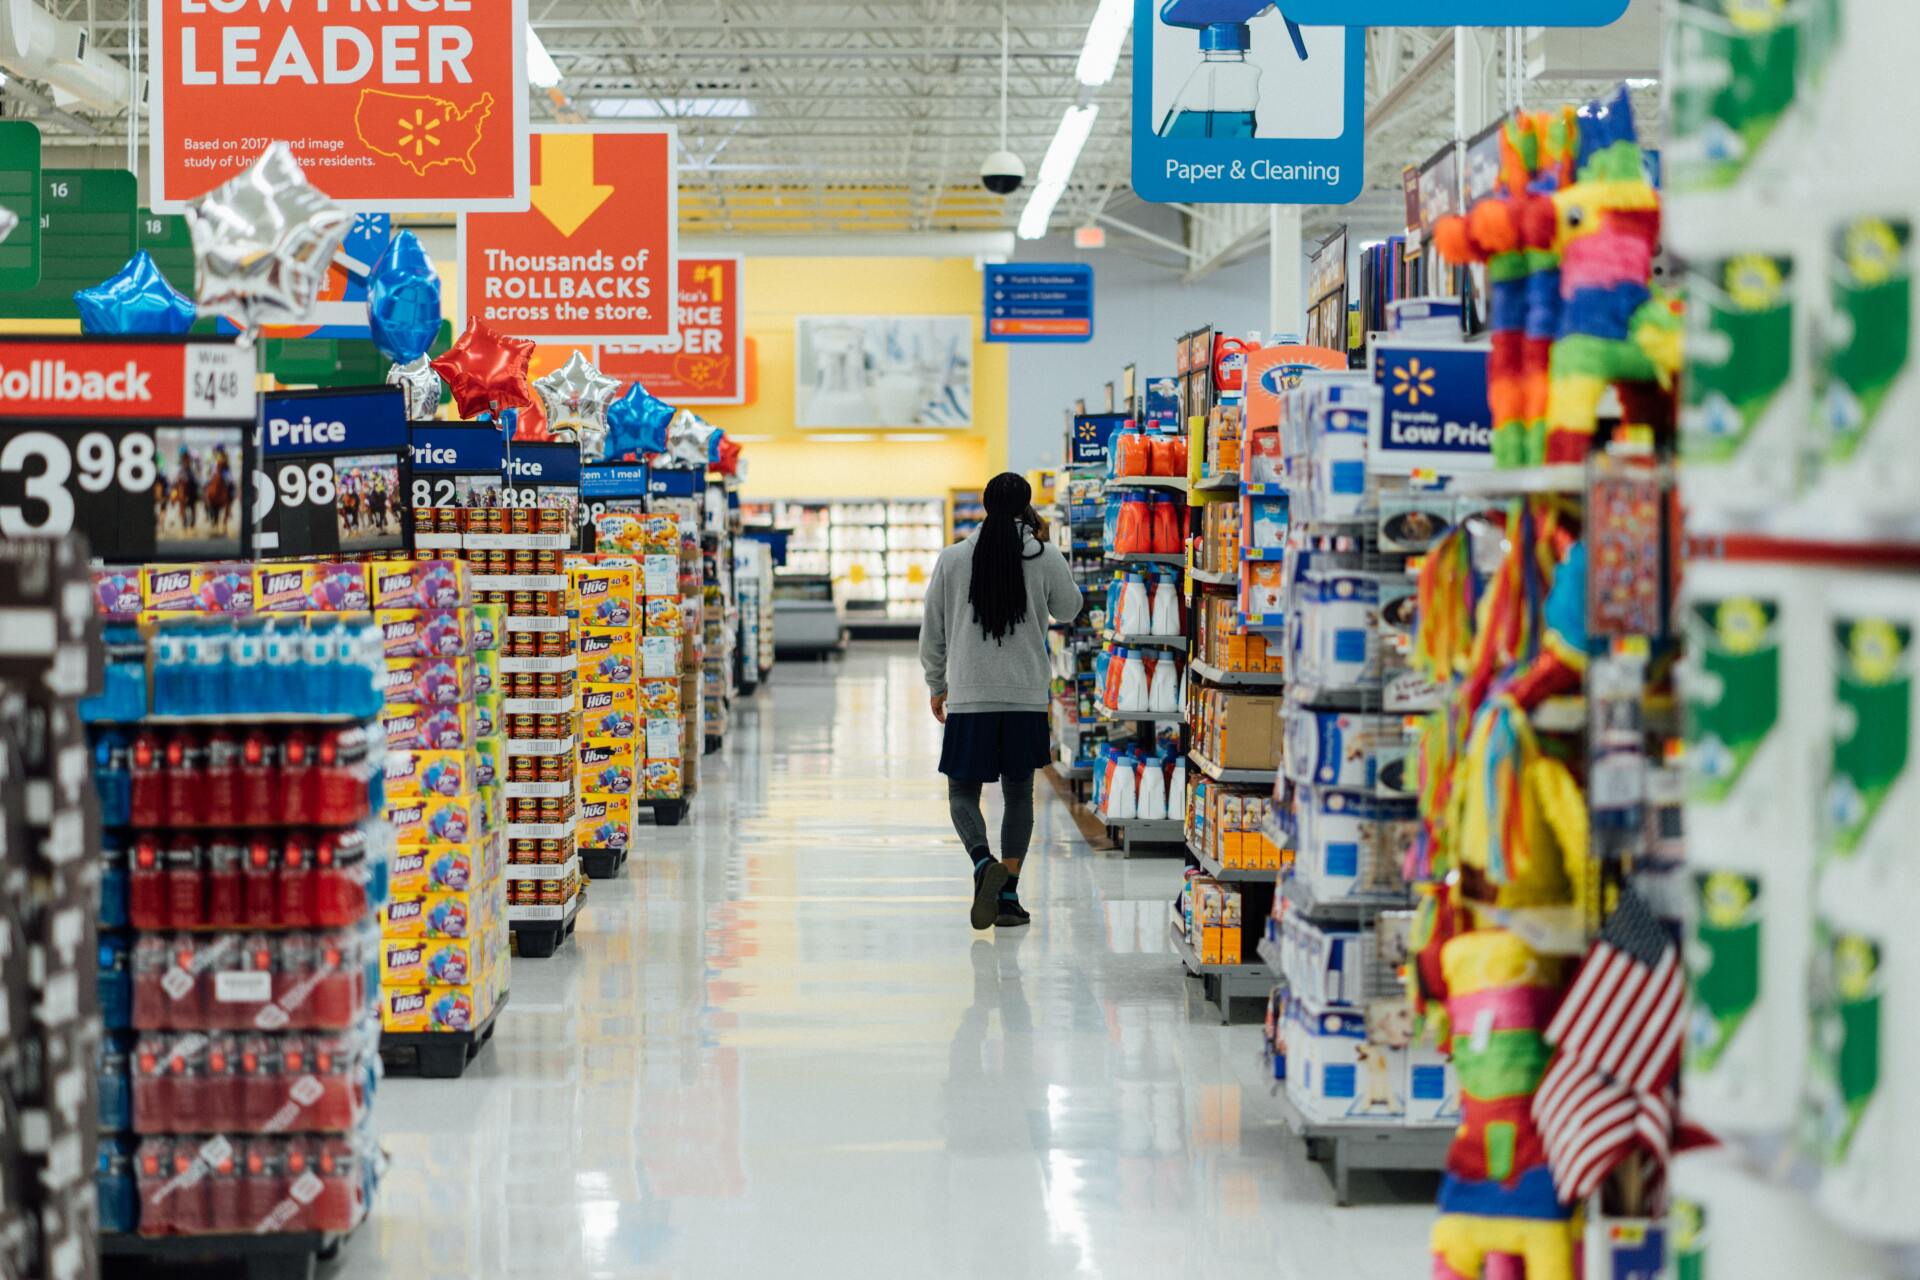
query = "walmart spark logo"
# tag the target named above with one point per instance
(1413, 380)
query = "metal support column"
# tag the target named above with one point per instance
(1287, 301)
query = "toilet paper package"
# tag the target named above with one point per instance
(1755, 689)
(1870, 797)
(1728, 1220)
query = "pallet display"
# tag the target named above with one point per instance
(53, 1053)
(608, 603)
(233, 751)
(753, 577)
(719, 613)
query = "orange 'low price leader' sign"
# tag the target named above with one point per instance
(389, 105)
(706, 363)
(593, 259)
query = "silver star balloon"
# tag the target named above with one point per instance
(690, 439)
(8, 221)
(263, 242)
(576, 397)
(421, 385)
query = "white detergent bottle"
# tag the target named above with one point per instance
(1134, 614)
(1151, 803)
(1132, 695)
(1166, 607)
(1755, 683)
(1122, 790)
(1177, 790)
(1164, 693)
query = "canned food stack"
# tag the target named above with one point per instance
(49, 823)
(443, 947)
(608, 604)
(247, 860)
(518, 557)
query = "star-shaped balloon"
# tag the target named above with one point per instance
(637, 424)
(403, 300)
(528, 423)
(728, 461)
(8, 221)
(263, 242)
(136, 299)
(421, 385)
(486, 370)
(576, 397)
(692, 441)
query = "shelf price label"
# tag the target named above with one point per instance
(141, 446)
(333, 473)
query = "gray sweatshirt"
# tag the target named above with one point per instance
(976, 672)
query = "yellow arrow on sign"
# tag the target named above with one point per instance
(567, 194)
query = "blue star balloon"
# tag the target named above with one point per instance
(137, 299)
(637, 423)
(403, 300)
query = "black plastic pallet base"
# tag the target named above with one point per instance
(436, 1055)
(292, 1256)
(538, 939)
(666, 813)
(603, 864)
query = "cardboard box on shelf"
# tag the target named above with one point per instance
(445, 1008)
(1247, 730)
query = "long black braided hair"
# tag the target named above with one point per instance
(998, 591)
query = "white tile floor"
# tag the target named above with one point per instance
(775, 1049)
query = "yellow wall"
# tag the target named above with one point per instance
(794, 464)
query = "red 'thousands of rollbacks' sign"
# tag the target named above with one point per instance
(70, 379)
(593, 259)
(389, 105)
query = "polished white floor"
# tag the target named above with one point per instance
(776, 1049)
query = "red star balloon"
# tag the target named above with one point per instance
(729, 461)
(486, 370)
(531, 425)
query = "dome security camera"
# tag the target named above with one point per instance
(1003, 173)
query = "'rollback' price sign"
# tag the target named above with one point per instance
(333, 473)
(140, 445)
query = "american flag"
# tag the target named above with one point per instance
(1610, 1086)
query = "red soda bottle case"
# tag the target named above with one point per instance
(184, 1086)
(294, 984)
(186, 1189)
(220, 803)
(152, 1064)
(147, 782)
(221, 1104)
(261, 1084)
(250, 984)
(263, 1185)
(186, 765)
(301, 1184)
(152, 1171)
(146, 884)
(342, 777)
(185, 861)
(152, 958)
(226, 1188)
(337, 1206)
(260, 880)
(260, 776)
(226, 882)
(296, 779)
(329, 1093)
(340, 879)
(295, 907)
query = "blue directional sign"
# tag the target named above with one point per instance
(1457, 13)
(1234, 102)
(1039, 302)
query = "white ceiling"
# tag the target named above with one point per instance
(825, 117)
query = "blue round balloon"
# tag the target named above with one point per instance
(137, 299)
(403, 300)
(637, 423)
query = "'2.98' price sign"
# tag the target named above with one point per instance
(333, 473)
(139, 445)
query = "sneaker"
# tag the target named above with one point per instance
(987, 883)
(1011, 912)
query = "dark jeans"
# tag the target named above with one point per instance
(1016, 824)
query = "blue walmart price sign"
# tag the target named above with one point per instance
(1457, 13)
(1234, 102)
(1039, 302)
(1434, 414)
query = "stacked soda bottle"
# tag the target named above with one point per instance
(443, 947)
(248, 855)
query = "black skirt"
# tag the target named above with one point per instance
(985, 746)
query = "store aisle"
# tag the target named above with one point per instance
(776, 1049)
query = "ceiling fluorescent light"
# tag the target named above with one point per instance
(1064, 151)
(542, 71)
(1039, 211)
(1105, 34)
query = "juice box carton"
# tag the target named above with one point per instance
(659, 658)
(489, 624)
(430, 962)
(424, 1009)
(425, 868)
(665, 779)
(416, 726)
(663, 737)
(658, 698)
(607, 765)
(425, 633)
(665, 616)
(330, 587)
(221, 587)
(435, 819)
(605, 655)
(420, 584)
(433, 913)
(604, 822)
(608, 710)
(435, 682)
(431, 773)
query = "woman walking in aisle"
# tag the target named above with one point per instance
(984, 647)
